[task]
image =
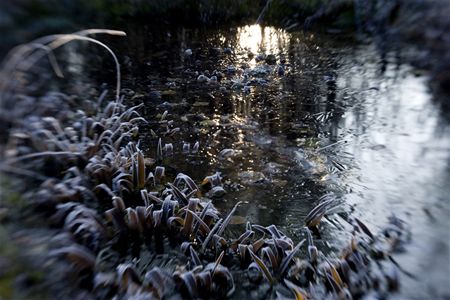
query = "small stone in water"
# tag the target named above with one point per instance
(271, 59)
(168, 93)
(215, 51)
(201, 103)
(209, 123)
(280, 70)
(225, 153)
(186, 148)
(187, 52)
(251, 177)
(231, 69)
(217, 192)
(255, 276)
(260, 57)
(155, 95)
(202, 78)
(238, 220)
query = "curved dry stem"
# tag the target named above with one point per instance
(25, 56)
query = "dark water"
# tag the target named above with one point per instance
(342, 119)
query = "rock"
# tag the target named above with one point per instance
(209, 123)
(238, 220)
(231, 69)
(279, 182)
(234, 186)
(216, 51)
(260, 57)
(271, 59)
(187, 52)
(202, 78)
(254, 276)
(227, 50)
(260, 71)
(226, 153)
(155, 95)
(168, 93)
(200, 104)
(217, 192)
(280, 70)
(251, 177)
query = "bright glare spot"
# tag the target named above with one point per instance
(257, 39)
(250, 37)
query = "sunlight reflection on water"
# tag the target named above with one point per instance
(257, 39)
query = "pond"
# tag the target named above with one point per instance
(342, 119)
(288, 117)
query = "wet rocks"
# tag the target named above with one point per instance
(188, 52)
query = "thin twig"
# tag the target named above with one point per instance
(258, 21)
(331, 145)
